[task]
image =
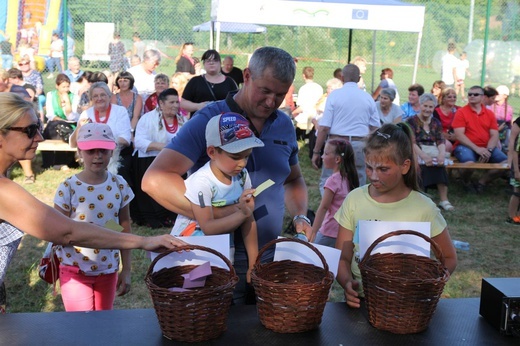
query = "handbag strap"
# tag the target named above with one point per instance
(209, 87)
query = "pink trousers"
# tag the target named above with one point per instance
(86, 293)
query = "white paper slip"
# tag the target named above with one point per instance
(263, 186)
(297, 252)
(369, 231)
(219, 243)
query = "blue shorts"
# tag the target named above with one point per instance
(465, 154)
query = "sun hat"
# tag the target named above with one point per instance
(503, 90)
(95, 136)
(231, 132)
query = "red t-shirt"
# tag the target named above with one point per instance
(445, 119)
(477, 126)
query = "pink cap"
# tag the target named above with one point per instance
(96, 136)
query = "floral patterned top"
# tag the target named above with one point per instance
(434, 137)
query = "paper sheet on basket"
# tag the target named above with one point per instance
(300, 253)
(219, 243)
(369, 231)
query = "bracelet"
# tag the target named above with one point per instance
(316, 152)
(490, 150)
(301, 217)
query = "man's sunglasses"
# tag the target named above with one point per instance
(30, 130)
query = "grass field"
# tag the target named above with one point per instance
(477, 219)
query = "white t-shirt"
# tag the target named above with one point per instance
(449, 62)
(144, 82)
(461, 68)
(308, 96)
(204, 189)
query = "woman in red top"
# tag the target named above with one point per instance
(445, 112)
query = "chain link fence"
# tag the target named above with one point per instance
(166, 25)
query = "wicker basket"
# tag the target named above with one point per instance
(199, 314)
(291, 295)
(402, 290)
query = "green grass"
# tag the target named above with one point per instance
(477, 219)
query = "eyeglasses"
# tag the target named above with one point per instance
(211, 61)
(23, 63)
(475, 94)
(30, 130)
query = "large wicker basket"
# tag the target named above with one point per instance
(291, 295)
(199, 314)
(402, 290)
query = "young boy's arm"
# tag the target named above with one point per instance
(250, 236)
(124, 280)
(211, 226)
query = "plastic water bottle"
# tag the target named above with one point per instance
(461, 245)
(301, 236)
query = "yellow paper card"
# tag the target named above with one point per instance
(263, 186)
(111, 224)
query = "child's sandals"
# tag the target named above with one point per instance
(446, 205)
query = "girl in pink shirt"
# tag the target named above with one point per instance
(338, 155)
(504, 114)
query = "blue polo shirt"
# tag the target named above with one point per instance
(272, 161)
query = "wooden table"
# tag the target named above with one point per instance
(456, 322)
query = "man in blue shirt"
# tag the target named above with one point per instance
(266, 81)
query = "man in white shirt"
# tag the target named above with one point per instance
(449, 66)
(350, 113)
(308, 96)
(144, 73)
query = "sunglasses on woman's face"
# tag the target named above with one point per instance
(30, 130)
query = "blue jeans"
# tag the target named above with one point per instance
(52, 64)
(7, 61)
(465, 154)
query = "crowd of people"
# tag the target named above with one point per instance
(187, 151)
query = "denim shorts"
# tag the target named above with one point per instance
(465, 154)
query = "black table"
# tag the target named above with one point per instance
(456, 322)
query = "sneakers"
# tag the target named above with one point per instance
(446, 205)
(51, 76)
(514, 220)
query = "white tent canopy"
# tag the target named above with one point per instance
(388, 15)
(236, 28)
(218, 27)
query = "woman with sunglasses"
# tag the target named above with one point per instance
(60, 105)
(20, 133)
(209, 87)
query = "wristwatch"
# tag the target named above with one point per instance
(301, 217)
(490, 150)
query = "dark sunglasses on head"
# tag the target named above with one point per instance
(474, 94)
(30, 130)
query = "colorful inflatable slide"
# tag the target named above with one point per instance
(43, 17)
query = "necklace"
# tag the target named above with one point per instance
(173, 127)
(211, 84)
(98, 119)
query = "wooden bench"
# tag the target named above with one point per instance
(477, 165)
(54, 145)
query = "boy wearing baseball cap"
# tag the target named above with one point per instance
(89, 278)
(222, 181)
